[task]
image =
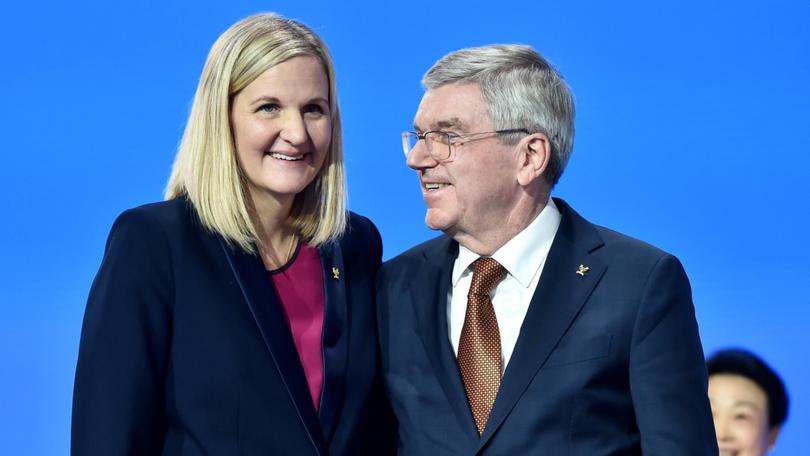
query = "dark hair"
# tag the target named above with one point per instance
(737, 361)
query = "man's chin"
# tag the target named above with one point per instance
(437, 221)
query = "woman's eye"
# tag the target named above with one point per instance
(742, 416)
(268, 107)
(314, 109)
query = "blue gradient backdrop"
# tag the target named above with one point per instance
(692, 134)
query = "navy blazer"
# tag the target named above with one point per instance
(185, 349)
(607, 362)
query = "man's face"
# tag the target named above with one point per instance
(740, 411)
(472, 192)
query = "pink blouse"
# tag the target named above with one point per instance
(299, 287)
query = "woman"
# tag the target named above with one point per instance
(236, 317)
(749, 402)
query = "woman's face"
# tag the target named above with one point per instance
(740, 411)
(282, 130)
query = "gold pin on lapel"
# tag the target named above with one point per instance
(335, 273)
(582, 270)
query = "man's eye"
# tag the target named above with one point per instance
(442, 137)
(450, 138)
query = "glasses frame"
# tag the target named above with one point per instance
(452, 139)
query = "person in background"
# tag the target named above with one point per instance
(749, 402)
(236, 317)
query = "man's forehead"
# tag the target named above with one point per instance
(452, 123)
(450, 107)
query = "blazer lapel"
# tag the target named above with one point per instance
(560, 294)
(335, 337)
(263, 303)
(430, 303)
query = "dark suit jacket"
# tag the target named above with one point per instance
(185, 349)
(606, 363)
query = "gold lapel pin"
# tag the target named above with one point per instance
(335, 273)
(582, 270)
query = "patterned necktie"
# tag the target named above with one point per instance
(479, 350)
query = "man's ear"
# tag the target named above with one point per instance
(533, 157)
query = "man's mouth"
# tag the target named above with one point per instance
(432, 186)
(728, 452)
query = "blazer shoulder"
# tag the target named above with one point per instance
(612, 246)
(360, 225)
(622, 241)
(174, 219)
(171, 212)
(432, 250)
(633, 254)
(362, 236)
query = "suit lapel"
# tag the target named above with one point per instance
(430, 303)
(335, 337)
(560, 294)
(263, 303)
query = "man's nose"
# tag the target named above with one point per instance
(420, 158)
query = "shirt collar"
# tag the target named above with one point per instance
(522, 255)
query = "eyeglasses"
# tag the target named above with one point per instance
(440, 143)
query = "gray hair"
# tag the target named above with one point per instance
(521, 90)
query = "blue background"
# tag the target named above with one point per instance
(692, 134)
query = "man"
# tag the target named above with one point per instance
(525, 329)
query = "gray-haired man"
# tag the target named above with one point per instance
(525, 329)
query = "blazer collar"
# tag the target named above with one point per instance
(429, 299)
(563, 289)
(335, 339)
(260, 297)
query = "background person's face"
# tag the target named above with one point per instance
(282, 129)
(740, 411)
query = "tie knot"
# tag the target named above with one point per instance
(487, 272)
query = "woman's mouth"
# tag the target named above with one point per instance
(285, 157)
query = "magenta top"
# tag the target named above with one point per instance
(299, 286)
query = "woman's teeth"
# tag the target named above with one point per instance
(285, 157)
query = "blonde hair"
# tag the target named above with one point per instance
(206, 169)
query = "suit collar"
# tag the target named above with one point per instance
(524, 254)
(260, 297)
(559, 296)
(429, 299)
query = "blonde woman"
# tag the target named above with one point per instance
(236, 317)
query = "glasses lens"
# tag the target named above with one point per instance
(408, 141)
(438, 144)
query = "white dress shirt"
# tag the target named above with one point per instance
(523, 257)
